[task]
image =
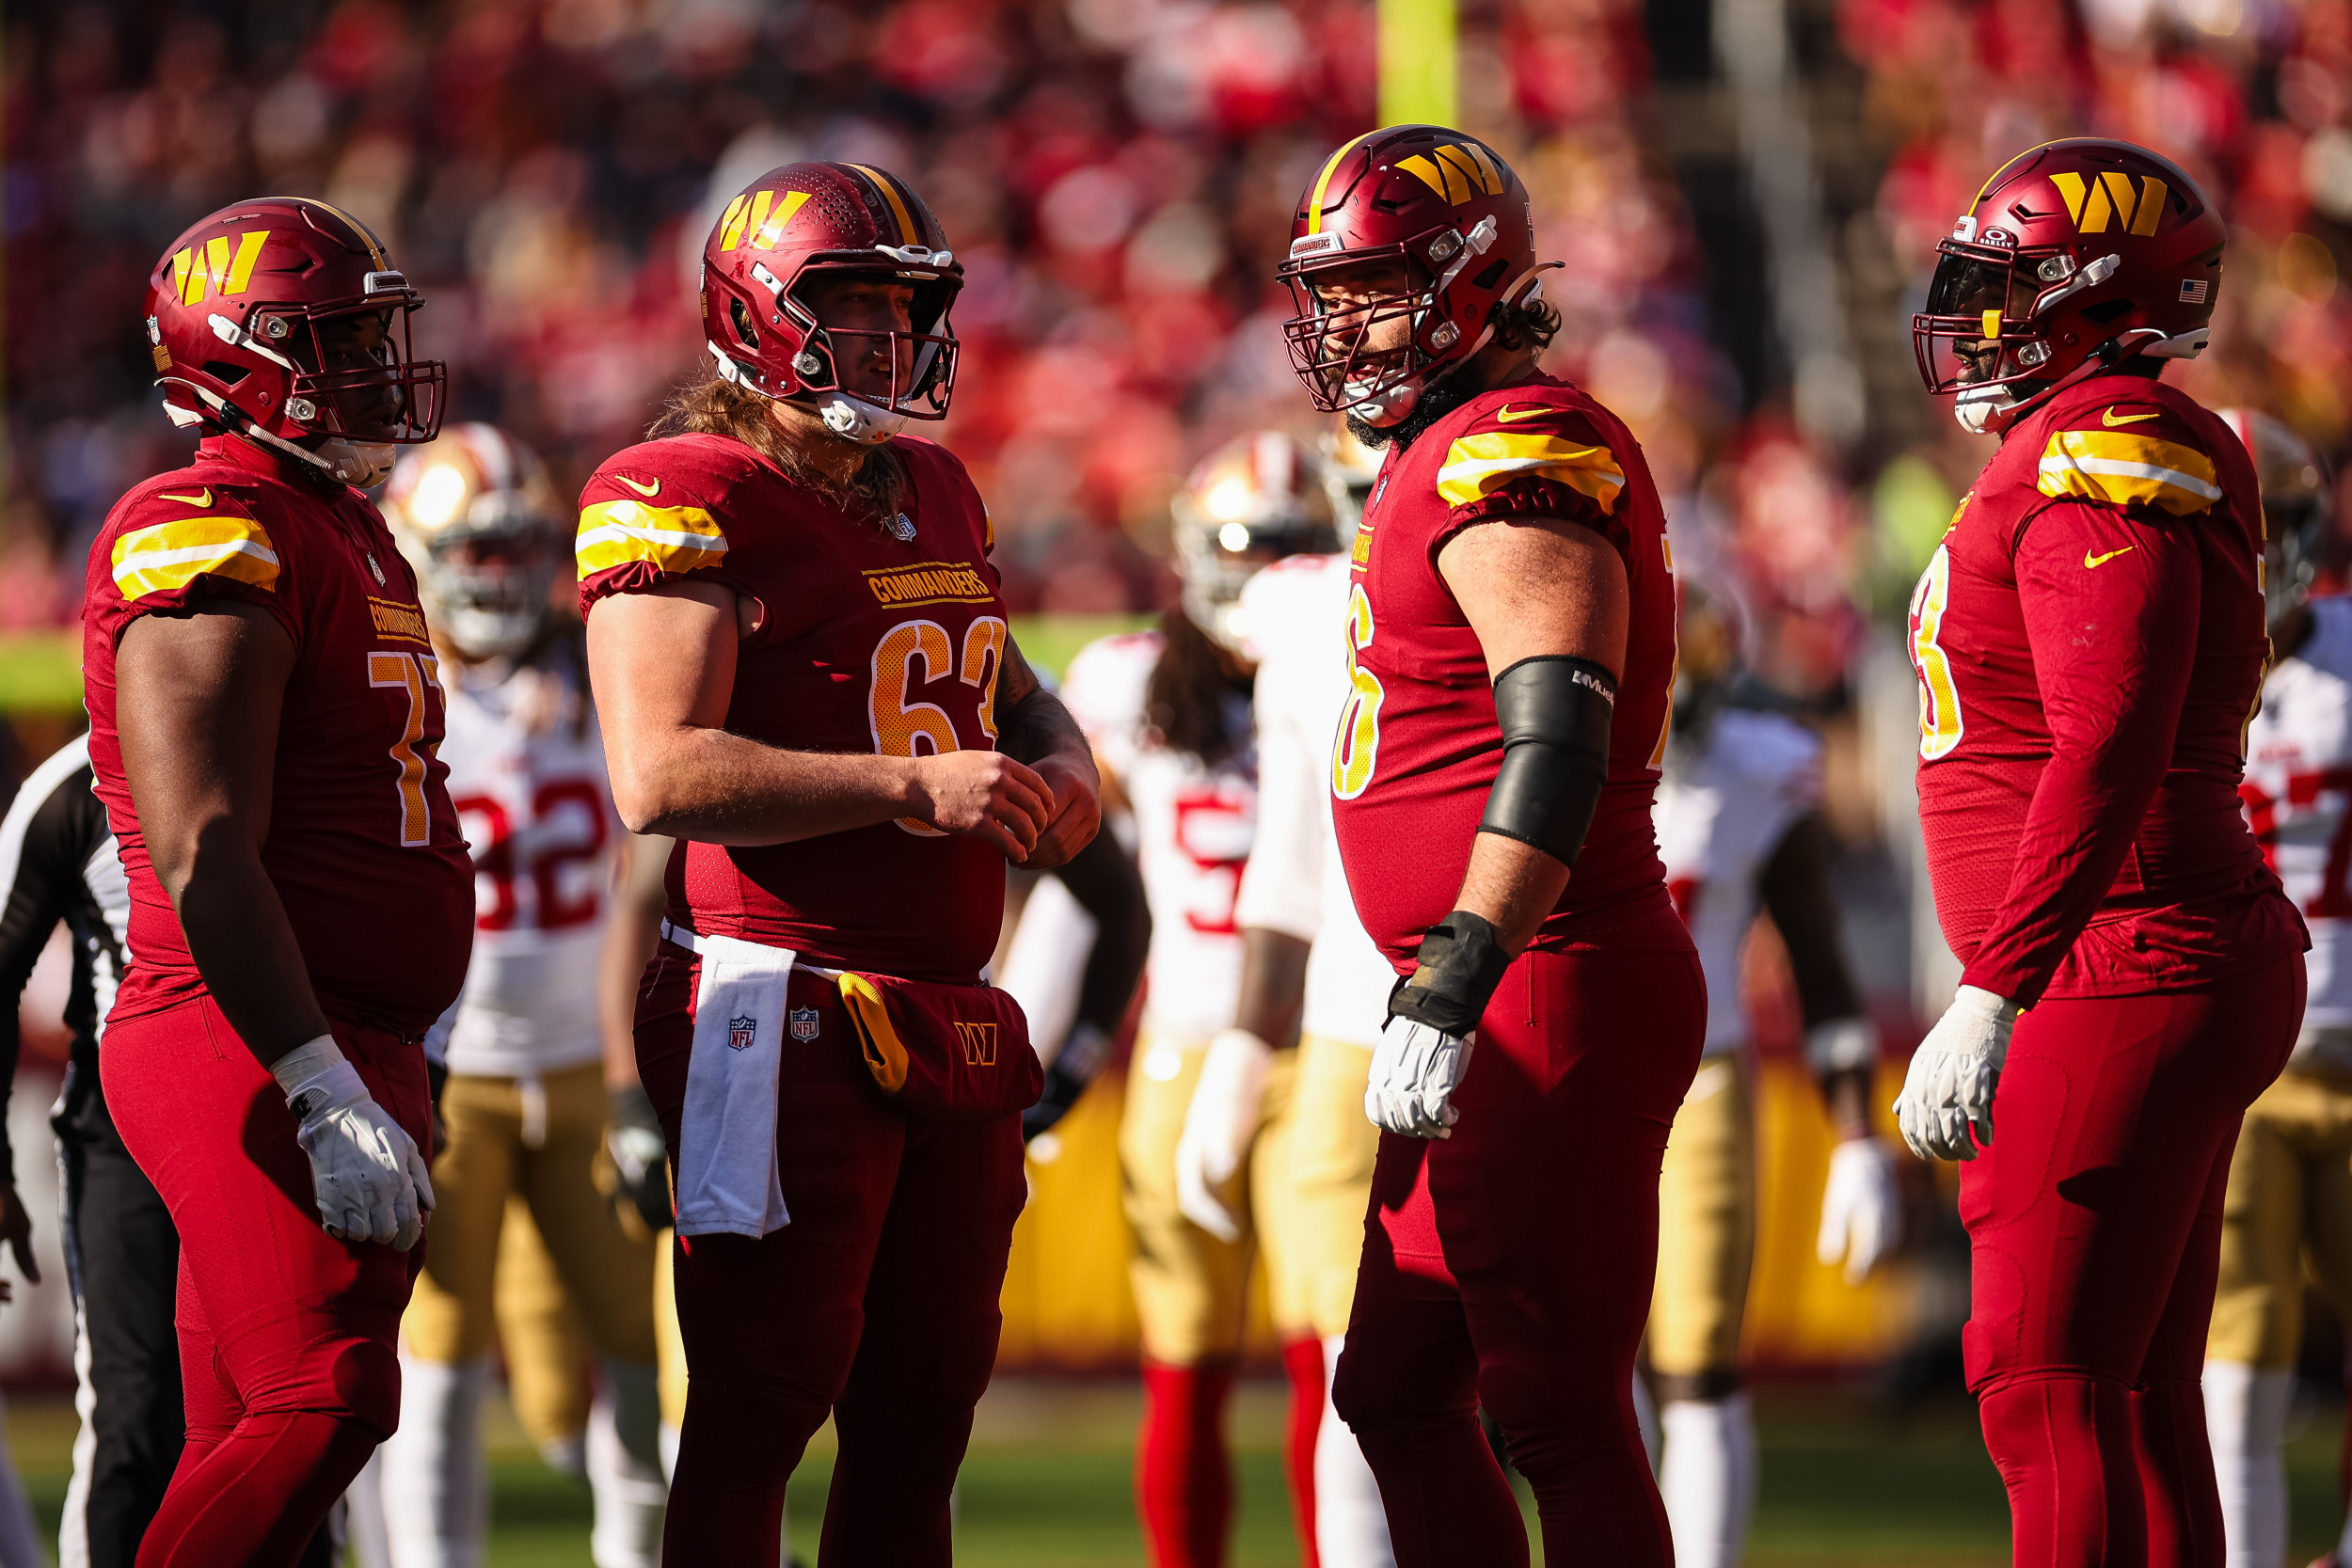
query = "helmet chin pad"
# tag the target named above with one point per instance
(1983, 411)
(854, 419)
(361, 464)
(1390, 407)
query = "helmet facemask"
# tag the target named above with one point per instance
(1349, 350)
(921, 360)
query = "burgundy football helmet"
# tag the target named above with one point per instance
(1454, 220)
(791, 225)
(234, 316)
(2075, 255)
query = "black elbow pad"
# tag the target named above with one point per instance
(1554, 710)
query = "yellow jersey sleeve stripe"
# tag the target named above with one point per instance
(671, 538)
(2099, 464)
(165, 556)
(1475, 465)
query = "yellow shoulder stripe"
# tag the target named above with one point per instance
(2107, 465)
(1477, 465)
(671, 538)
(163, 557)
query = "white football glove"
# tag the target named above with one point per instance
(1221, 1124)
(1949, 1087)
(1862, 1210)
(1415, 1070)
(372, 1183)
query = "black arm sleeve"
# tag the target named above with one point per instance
(1108, 887)
(1554, 711)
(1795, 888)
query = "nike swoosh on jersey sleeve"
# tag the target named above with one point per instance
(1477, 465)
(2104, 466)
(165, 556)
(670, 538)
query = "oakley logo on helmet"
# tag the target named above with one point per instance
(214, 266)
(2094, 203)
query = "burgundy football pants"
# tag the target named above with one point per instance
(877, 1304)
(2094, 1227)
(1510, 1266)
(287, 1334)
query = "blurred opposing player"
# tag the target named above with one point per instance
(2289, 1201)
(265, 710)
(2090, 643)
(1740, 832)
(525, 1102)
(803, 667)
(1168, 715)
(1312, 990)
(1510, 644)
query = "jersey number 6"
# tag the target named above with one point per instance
(1357, 750)
(902, 727)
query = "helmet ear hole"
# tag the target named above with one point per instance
(1491, 274)
(744, 332)
(224, 372)
(2106, 310)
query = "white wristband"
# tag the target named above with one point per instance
(305, 1062)
(317, 1078)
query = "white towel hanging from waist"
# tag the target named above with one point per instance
(726, 1156)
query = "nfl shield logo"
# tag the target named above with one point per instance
(739, 1032)
(804, 1023)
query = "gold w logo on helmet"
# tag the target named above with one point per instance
(2110, 198)
(1456, 171)
(762, 215)
(216, 266)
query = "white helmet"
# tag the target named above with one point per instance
(475, 516)
(1253, 500)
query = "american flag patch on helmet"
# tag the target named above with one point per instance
(2193, 290)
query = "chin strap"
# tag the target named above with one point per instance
(851, 419)
(1390, 407)
(361, 463)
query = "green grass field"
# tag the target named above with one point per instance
(1046, 1485)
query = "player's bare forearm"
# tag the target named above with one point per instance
(629, 937)
(1512, 886)
(662, 665)
(198, 710)
(1273, 984)
(1108, 887)
(1034, 727)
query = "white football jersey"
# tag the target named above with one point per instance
(1294, 882)
(526, 772)
(1720, 817)
(2298, 789)
(1194, 826)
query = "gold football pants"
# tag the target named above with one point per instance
(1705, 1225)
(2289, 1204)
(1302, 1198)
(534, 1146)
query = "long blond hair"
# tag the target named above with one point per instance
(716, 406)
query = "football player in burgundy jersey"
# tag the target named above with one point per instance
(265, 707)
(801, 659)
(2090, 644)
(1510, 645)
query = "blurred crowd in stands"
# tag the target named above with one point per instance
(1117, 178)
